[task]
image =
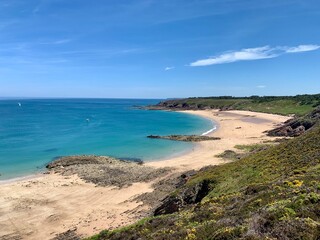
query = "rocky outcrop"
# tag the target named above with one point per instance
(106, 171)
(171, 204)
(63, 162)
(161, 189)
(297, 126)
(185, 138)
(189, 195)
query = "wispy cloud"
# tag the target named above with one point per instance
(242, 55)
(169, 68)
(261, 86)
(303, 48)
(249, 54)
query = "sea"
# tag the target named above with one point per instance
(33, 132)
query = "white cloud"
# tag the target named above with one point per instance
(261, 86)
(242, 55)
(249, 54)
(169, 68)
(303, 48)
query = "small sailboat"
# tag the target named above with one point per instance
(19, 104)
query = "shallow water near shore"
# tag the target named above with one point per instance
(33, 132)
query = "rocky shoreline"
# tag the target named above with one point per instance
(297, 126)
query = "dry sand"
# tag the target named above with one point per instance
(41, 207)
(234, 127)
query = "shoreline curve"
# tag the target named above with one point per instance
(58, 203)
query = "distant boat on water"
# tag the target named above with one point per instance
(19, 104)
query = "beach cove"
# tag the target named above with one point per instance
(40, 130)
(49, 204)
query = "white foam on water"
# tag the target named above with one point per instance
(209, 131)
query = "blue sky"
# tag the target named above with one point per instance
(158, 48)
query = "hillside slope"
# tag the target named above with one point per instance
(271, 194)
(298, 105)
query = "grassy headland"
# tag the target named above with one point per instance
(298, 105)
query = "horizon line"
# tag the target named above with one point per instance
(165, 98)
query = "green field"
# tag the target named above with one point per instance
(298, 105)
(284, 107)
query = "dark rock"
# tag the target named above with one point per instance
(299, 130)
(297, 126)
(171, 204)
(136, 160)
(196, 193)
(185, 177)
(254, 189)
(189, 195)
(188, 174)
(161, 191)
(68, 235)
(185, 138)
(73, 160)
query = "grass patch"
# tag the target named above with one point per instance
(253, 147)
(283, 107)
(230, 155)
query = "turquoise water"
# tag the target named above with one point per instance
(33, 132)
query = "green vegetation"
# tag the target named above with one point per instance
(230, 155)
(245, 150)
(253, 147)
(270, 194)
(298, 105)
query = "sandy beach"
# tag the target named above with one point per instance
(41, 207)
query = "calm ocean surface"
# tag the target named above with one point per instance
(33, 132)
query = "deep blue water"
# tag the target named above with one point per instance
(32, 134)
